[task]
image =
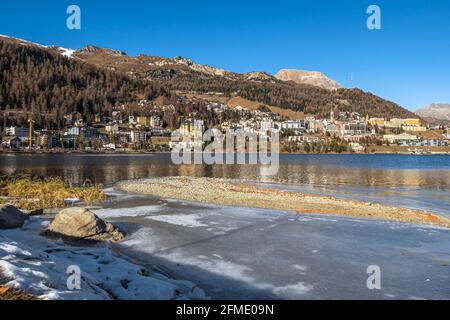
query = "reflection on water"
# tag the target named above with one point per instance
(414, 181)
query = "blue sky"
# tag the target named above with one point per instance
(406, 62)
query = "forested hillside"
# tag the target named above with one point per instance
(40, 81)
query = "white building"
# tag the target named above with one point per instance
(112, 128)
(22, 133)
(72, 131)
(355, 128)
(300, 125)
(394, 138)
(109, 146)
(138, 136)
(266, 125)
(155, 122)
(199, 126)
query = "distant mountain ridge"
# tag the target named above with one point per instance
(435, 113)
(439, 111)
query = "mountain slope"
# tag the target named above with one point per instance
(181, 74)
(314, 78)
(46, 83)
(53, 80)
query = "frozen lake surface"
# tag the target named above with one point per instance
(245, 253)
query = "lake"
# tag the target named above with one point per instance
(405, 180)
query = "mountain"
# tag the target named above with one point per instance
(50, 80)
(436, 113)
(182, 74)
(314, 78)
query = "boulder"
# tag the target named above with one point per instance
(34, 212)
(11, 217)
(81, 224)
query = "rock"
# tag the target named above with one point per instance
(35, 212)
(11, 217)
(314, 78)
(81, 224)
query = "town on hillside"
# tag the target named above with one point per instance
(342, 132)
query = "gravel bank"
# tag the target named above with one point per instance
(229, 193)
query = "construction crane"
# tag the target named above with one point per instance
(31, 121)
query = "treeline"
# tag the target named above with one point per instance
(330, 146)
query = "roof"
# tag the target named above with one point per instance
(431, 134)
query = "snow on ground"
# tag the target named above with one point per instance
(23, 41)
(39, 266)
(128, 212)
(185, 220)
(68, 53)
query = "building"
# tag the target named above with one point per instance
(333, 129)
(72, 118)
(356, 147)
(72, 134)
(47, 140)
(377, 122)
(138, 136)
(199, 126)
(395, 138)
(305, 139)
(73, 131)
(112, 128)
(143, 121)
(414, 128)
(101, 118)
(89, 133)
(424, 143)
(191, 128)
(266, 125)
(21, 133)
(14, 143)
(396, 123)
(412, 122)
(155, 122)
(413, 125)
(355, 128)
(109, 146)
(298, 125)
(117, 116)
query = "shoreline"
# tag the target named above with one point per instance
(41, 152)
(240, 194)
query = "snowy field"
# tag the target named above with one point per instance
(39, 266)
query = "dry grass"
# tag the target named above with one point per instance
(31, 193)
(7, 293)
(11, 294)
